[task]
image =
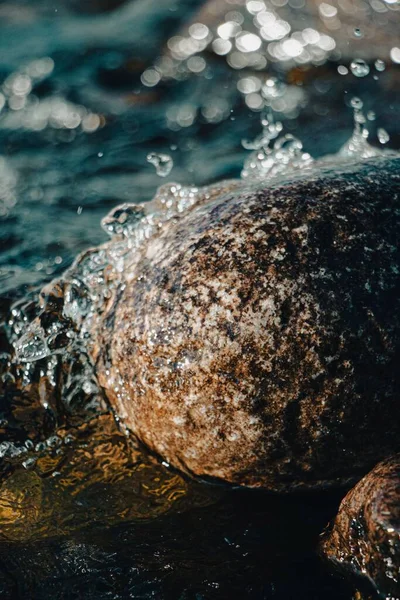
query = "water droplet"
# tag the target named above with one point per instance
(171, 199)
(273, 88)
(32, 345)
(358, 145)
(359, 67)
(288, 143)
(29, 463)
(123, 219)
(53, 441)
(76, 303)
(383, 135)
(342, 70)
(356, 103)
(380, 65)
(371, 116)
(395, 55)
(162, 162)
(284, 156)
(357, 32)
(271, 130)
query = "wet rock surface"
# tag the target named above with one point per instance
(365, 536)
(256, 338)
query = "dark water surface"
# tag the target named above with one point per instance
(84, 512)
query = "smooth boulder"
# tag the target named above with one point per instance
(256, 339)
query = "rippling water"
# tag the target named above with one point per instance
(98, 102)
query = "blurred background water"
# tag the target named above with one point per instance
(87, 92)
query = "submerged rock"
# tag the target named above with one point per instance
(255, 336)
(365, 537)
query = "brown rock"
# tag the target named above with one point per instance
(365, 537)
(256, 338)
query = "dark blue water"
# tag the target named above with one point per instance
(75, 130)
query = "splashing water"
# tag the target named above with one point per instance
(69, 307)
(8, 181)
(269, 160)
(357, 146)
(162, 162)
(59, 329)
(53, 339)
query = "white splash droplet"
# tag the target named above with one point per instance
(383, 135)
(357, 145)
(359, 67)
(123, 219)
(32, 345)
(267, 161)
(380, 65)
(162, 162)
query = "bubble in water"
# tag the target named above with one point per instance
(357, 32)
(359, 67)
(383, 135)
(123, 220)
(380, 65)
(162, 162)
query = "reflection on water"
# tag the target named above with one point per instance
(89, 474)
(88, 94)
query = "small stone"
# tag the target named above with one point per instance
(365, 536)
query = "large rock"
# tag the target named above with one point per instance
(256, 339)
(365, 537)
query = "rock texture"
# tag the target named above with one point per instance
(365, 537)
(257, 338)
